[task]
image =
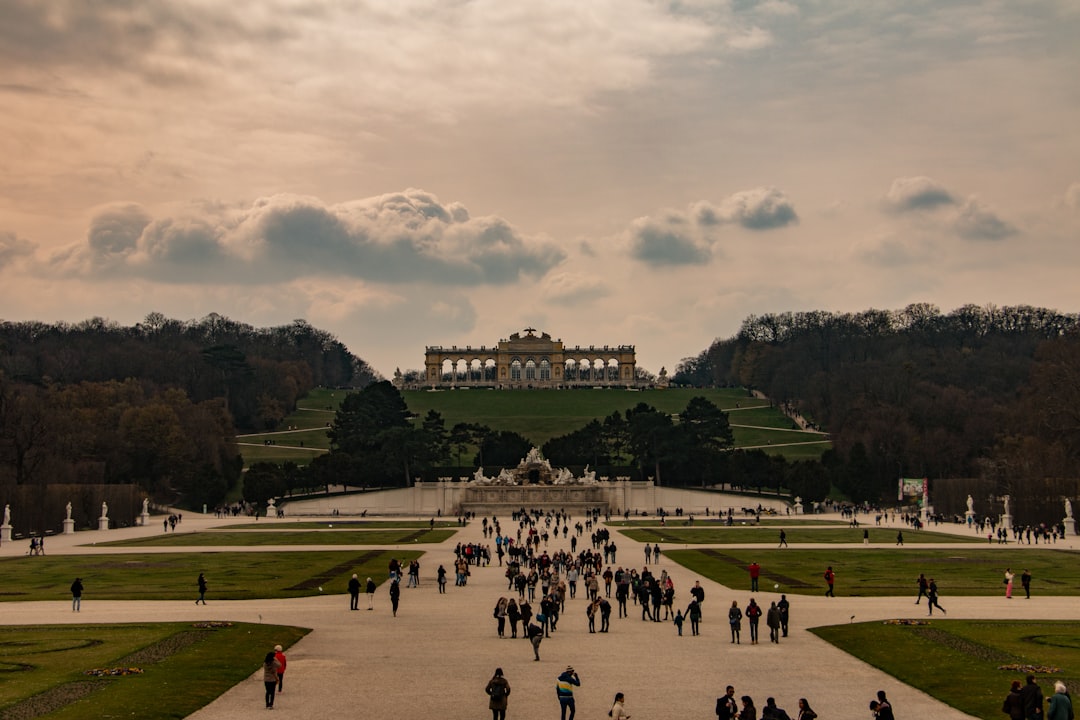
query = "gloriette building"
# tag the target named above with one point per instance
(530, 361)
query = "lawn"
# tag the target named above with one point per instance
(288, 536)
(795, 534)
(44, 667)
(967, 570)
(171, 576)
(959, 661)
(339, 525)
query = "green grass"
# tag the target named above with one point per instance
(49, 658)
(340, 525)
(967, 570)
(283, 536)
(171, 576)
(713, 522)
(795, 534)
(957, 661)
(278, 454)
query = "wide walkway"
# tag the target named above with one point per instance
(435, 658)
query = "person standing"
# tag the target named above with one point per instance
(830, 580)
(1032, 696)
(354, 592)
(564, 689)
(772, 712)
(900, 538)
(270, 668)
(648, 553)
(395, 595)
(76, 595)
(656, 553)
(279, 655)
(1014, 702)
(866, 536)
(441, 576)
(753, 615)
(513, 615)
(932, 598)
(772, 619)
(370, 588)
(498, 690)
(734, 616)
(785, 608)
(1009, 575)
(726, 707)
(884, 707)
(202, 589)
(1060, 703)
(1025, 582)
(500, 615)
(618, 711)
(755, 572)
(748, 712)
(805, 711)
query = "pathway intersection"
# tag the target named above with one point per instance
(435, 658)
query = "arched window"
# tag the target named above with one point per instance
(545, 369)
(515, 370)
(530, 369)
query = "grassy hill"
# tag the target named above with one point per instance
(538, 415)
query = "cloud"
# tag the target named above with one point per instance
(975, 221)
(12, 247)
(1072, 196)
(567, 288)
(917, 193)
(400, 237)
(687, 237)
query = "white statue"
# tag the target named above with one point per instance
(146, 506)
(970, 505)
(7, 515)
(589, 476)
(1068, 509)
(478, 476)
(104, 509)
(68, 508)
(533, 456)
(1007, 511)
(565, 477)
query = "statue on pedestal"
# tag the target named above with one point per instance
(104, 509)
(1068, 509)
(68, 509)
(970, 505)
(146, 506)
(7, 515)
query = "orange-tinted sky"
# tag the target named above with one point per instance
(618, 171)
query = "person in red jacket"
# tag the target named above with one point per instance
(755, 572)
(830, 580)
(280, 657)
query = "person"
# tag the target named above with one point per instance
(500, 615)
(783, 538)
(1060, 703)
(370, 588)
(1032, 697)
(441, 575)
(693, 611)
(202, 589)
(1014, 702)
(618, 711)
(924, 585)
(830, 580)
(270, 668)
(498, 690)
(772, 712)
(354, 592)
(605, 615)
(1009, 575)
(755, 571)
(279, 655)
(564, 689)
(726, 707)
(748, 712)
(395, 595)
(805, 711)
(772, 619)
(535, 634)
(590, 612)
(513, 615)
(648, 554)
(698, 592)
(785, 609)
(735, 621)
(866, 536)
(656, 553)
(753, 615)
(76, 595)
(1025, 582)
(932, 598)
(884, 709)
(900, 537)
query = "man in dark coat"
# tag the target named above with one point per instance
(354, 593)
(726, 707)
(784, 607)
(1032, 695)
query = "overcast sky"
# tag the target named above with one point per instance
(424, 172)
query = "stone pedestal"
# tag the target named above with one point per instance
(144, 519)
(69, 527)
(5, 533)
(103, 523)
(1070, 526)
(969, 518)
(1007, 522)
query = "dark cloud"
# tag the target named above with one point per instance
(975, 221)
(396, 238)
(669, 240)
(917, 193)
(12, 247)
(762, 208)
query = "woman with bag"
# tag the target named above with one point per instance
(498, 689)
(617, 711)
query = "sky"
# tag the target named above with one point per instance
(448, 172)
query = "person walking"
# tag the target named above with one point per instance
(498, 691)
(924, 585)
(202, 589)
(785, 609)
(370, 589)
(693, 611)
(900, 538)
(76, 595)
(1009, 575)
(830, 580)
(270, 668)
(279, 655)
(753, 615)
(772, 619)
(1060, 704)
(564, 689)
(932, 598)
(783, 538)
(1025, 582)
(734, 616)
(395, 595)
(618, 711)
(354, 592)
